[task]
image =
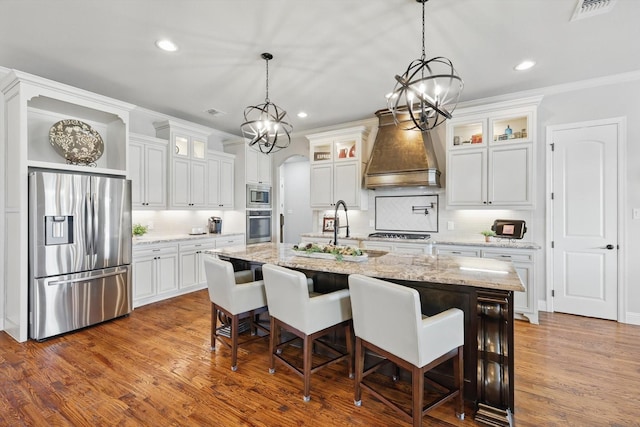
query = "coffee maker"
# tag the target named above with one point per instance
(215, 225)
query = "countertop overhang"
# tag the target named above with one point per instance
(445, 269)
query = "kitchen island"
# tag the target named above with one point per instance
(482, 288)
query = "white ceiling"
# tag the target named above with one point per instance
(334, 59)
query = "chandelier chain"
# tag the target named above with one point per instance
(267, 83)
(424, 55)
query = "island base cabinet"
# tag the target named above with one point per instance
(495, 388)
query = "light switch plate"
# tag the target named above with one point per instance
(450, 225)
(635, 214)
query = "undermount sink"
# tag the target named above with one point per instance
(372, 253)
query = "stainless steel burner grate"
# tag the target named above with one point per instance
(407, 236)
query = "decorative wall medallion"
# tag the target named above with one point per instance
(76, 141)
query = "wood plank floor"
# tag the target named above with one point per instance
(155, 368)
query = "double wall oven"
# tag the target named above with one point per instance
(259, 213)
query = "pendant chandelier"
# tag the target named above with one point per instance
(265, 126)
(427, 93)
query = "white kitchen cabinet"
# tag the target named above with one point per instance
(258, 167)
(154, 273)
(220, 189)
(336, 168)
(187, 164)
(148, 172)
(188, 184)
(192, 274)
(490, 156)
(524, 260)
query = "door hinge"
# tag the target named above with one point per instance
(552, 243)
(553, 293)
(553, 146)
(552, 195)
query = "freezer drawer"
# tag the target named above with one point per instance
(64, 303)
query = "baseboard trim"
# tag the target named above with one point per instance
(633, 318)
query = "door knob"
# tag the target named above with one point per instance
(610, 247)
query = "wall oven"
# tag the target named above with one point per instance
(258, 226)
(258, 196)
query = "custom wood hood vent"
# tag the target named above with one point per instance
(401, 158)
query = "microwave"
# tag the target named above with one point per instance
(258, 196)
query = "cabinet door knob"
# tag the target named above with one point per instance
(610, 247)
(484, 202)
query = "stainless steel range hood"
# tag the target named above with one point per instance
(401, 158)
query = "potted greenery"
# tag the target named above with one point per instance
(488, 234)
(139, 230)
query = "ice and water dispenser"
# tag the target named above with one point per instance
(58, 230)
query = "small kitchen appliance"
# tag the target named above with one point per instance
(215, 225)
(509, 228)
(258, 196)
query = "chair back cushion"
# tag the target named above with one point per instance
(386, 315)
(220, 280)
(287, 294)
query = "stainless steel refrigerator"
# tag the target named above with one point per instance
(79, 251)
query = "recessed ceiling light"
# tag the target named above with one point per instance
(302, 114)
(166, 45)
(524, 65)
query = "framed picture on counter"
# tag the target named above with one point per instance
(328, 223)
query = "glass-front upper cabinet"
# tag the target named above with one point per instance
(345, 149)
(181, 144)
(322, 152)
(468, 134)
(199, 147)
(511, 129)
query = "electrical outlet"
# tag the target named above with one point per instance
(372, 223)
(150, 225)
(635, 214)
(450, 225)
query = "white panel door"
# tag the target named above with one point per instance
(155, 176)
(213, 187)
(585, 221)
(345, 185)
(198, 181)
(510, 175)
(467, 178)
(321, 185)
(226, 183)
(136, 171)
(180, 185)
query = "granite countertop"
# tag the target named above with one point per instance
(478, 272)
(495, 243)
(177, 238)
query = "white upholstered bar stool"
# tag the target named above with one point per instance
(292, 309)
(237, 296)
(405, 337)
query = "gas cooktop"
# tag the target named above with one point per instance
(407, 236)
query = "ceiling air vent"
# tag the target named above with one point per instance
(215, 112)
(588, 8)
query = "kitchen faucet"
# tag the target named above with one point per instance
(336, 222)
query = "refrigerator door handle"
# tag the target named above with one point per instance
(85, 279)
(94, 224)
(88, 229)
